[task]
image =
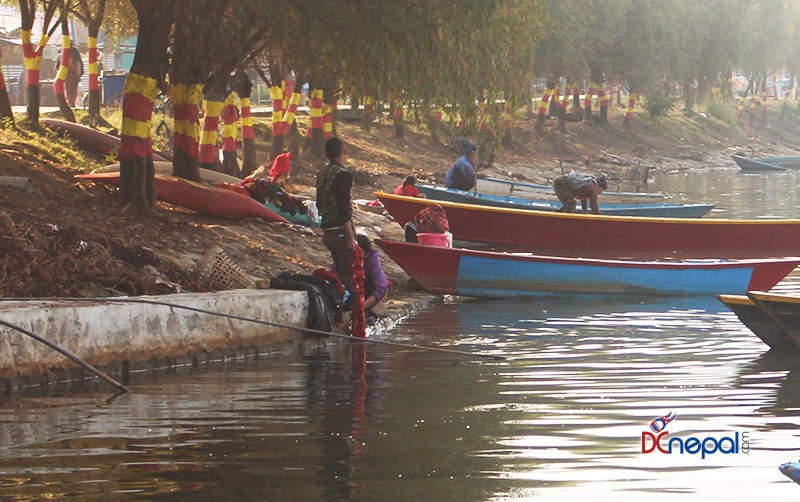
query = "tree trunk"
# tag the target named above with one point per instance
(63, 69)
(587, 102)
(95, 96)
(209, 149)
(186, 102)
(397, 120)
(230, 116)
(6, 114)
(541, 111)
(137, 187)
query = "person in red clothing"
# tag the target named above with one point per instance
(408, 188)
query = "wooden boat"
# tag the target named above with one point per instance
(652, 209)
(497, 186)
(92, 139)
(599, 235)
(758, 321)
(784, 311)
(205, 199)
(471, 272)
(752, 164)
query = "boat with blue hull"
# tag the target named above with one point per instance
(649, 209)
(490, 274)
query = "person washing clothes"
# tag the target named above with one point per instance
(408, 188)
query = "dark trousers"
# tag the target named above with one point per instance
(335, 240)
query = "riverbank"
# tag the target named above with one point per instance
(70, 239)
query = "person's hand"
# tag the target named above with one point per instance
(351, 245)
(481, 175)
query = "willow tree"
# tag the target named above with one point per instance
(92, 14)
(137, 188)
(32, 54)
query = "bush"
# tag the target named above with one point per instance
(659, 103)
(720, 111)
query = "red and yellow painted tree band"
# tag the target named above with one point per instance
(276, 93)
(587, 100)
(185, 107)
(316, 109)
(208, 138)
(63, 68)
(94, 67)
(740, 108)
(542, 108)
(397, 110)
(291, 112)
(230, 116)
(601, 93)
(439, 115)
(137, 111)
(32, 58)
(327, 121)
(507, 117)
(247, 120)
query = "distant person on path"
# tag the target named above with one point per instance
(580, 186)
(74, 73)
(462, 174)
(408, 188)
(334, 184)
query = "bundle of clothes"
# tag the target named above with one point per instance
(271, 189)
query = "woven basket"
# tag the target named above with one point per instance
(216, 271)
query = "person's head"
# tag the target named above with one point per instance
(410, 180)
(602, 182)
(472, 155)
(364, 243)
(334, 149)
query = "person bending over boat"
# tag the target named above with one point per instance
(580, 186)
(462, 174)
(408, 188)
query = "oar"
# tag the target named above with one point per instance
(268, 323)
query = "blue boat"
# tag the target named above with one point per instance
(655, 209)
(498, 186)
(491, 274)
(751, 164)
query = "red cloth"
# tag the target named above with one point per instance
(432, 219)
(328, 275)
(359, 328)
(233, 187)
(407, 190)
(280, 166)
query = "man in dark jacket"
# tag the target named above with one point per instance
(334, 184)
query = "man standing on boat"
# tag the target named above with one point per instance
(462, 175)
(575, 185)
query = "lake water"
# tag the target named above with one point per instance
(561, 418)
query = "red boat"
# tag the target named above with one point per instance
(608, 236)
(205, 199)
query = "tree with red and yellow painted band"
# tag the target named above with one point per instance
(94, 67)
(247, 119)
(137, 111)
(209, 136)
(31, 58)
(186, 101)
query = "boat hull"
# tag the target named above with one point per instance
(758, 321)
(752, 164)
(652, 209)
(208, 200)
(491, 274)
(601, 235)
(92, 139)
(784, 311)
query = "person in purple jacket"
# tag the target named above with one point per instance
(376, 285)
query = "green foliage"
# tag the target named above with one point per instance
(720, 111)
(659, 103)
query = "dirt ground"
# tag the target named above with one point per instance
(69, 238)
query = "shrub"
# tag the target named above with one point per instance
(659, 103)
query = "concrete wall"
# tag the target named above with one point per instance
(120, 337)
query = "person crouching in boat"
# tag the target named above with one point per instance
(580, 186)
(408, 188)
(462, 174)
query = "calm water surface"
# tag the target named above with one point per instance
(561, 419)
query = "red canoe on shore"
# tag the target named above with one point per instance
(608, 236)
(97, 141)
(205, 199)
